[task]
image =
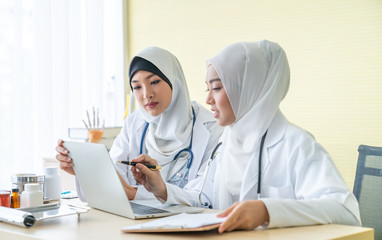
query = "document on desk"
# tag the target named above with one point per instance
(183, 222)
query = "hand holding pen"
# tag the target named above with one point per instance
(151, 180)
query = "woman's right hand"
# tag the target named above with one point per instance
(150, 179)
(66, 163)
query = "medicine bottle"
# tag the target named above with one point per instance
(5, 198)
(52, 184)
(15, 198)
(31, 196)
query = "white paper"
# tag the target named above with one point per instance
(180, 221)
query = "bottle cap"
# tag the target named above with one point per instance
(51, 170)
(4, 192)
(22, 178)
(15, 190)
(32, 187)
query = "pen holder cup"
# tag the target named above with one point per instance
(95, 136)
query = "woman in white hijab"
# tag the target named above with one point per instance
(298, 183)
(168, 127)
(269, 172)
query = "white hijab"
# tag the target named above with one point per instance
(169, 132)
(256, 78)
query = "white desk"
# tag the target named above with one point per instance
(101, 225)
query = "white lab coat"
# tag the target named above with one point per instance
(127, 145)
(300, 183)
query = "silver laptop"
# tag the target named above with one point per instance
(100, 183)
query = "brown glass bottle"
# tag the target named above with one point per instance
(15, 198)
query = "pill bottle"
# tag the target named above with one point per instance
(52, 185)
(15, 198)
(31, 196)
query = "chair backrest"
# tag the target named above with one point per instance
(368, 187)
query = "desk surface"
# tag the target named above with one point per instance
(101, 225)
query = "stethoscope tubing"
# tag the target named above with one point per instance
(185, 149)
(260, 160)
(213, 155)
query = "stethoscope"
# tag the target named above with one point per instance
(186, 150)
(213, 155)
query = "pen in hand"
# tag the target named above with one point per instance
(152, 167)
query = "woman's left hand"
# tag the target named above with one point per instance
(246, 215)
(129, 190)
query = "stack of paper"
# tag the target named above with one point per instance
(181, 222)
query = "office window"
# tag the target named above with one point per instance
(57, 59)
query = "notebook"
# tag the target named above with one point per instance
(179, 223)
(100, 183)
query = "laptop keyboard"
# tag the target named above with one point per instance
(140, 209)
